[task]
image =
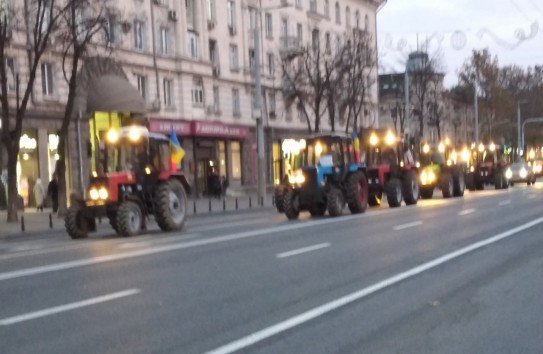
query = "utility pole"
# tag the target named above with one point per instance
(261, 170)
(476, 106)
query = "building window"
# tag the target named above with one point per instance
(189, 5)
(166, 40)
(231, 13)
(366, 23)
(216, 99)
(299, 4)
(168, 87)
(11, 74)
(327, 43)
(327, 8)
(271, 99)
(252, 18)
(348, 17)
(357, 18)
(138, 35)
(284, 27)
(315, 38)
(301, 114)
(113, 35)
(211, 10)
(234, 61)
(197, 92)
(192, 44)
(338, 14)
(142, 86)
(269, 26)
(235, 147)
(235, 102)
(300, 33)
(313, 5)
(47, 79)
(251, 59)
(271, 64)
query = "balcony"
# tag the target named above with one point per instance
(290, 45)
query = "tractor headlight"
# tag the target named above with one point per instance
(291, 179)
(93, 194)
(538, 168)
(431, 177)
(508, 173)
(300, 179)
(297, 178)
(423, 177)
(523, 173)
(103, 193)
(472, 169)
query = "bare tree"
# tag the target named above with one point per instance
(81, 23)
(436, 109)
(39, 21)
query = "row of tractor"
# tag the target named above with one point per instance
(327, 172)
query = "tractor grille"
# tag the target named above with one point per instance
(484, 172)
(310, 178)
(373, 176)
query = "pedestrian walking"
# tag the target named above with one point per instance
(39, 195)
(52, 192)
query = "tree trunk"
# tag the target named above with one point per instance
(13, 193)
(60, 171)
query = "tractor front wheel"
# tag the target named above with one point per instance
(394, 192)
(334, 202)
(357, 193)
(410, 188)
(77, 225)
(459, 184)
(447, 186)
(498, 180)
(129, 219)
(170, 205)
(278, 197)
(291, 204)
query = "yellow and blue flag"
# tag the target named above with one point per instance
(177, 151)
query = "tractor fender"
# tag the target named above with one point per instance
(181, 178)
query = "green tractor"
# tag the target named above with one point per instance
(442, 167)
(331, 176)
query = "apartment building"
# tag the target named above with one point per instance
(192, 62)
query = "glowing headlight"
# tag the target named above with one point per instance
(449, 162)
(531, 154)
(508, 173)
(481, 148)
(426, 148)
(471, 169)
(374, 139)
(93, 194)
(112, 136)
(441, 147)
(291, 179)
(423, 178)
(390, 139)
(103, 193)
(523, 173)
(465, 155)
(492, 147)
(431, 176)
(318, 148)
(300, 179)
(134, 134)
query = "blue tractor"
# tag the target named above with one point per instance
(331, 177)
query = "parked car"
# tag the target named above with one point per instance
(520, 172)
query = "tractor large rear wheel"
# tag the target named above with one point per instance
(410, 188)
(170, 205)
(357, 193)
(278, 198)
(335, 202)
(394, 192)
(447, 186)
(291, 204)
(76, 224)
(129, 219)
(459, 184)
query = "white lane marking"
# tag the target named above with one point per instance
(173, 247)
(67, 307)
(24, 248)
(303, 250)
(407, 226)
(362, 293)
(532, 196)
(228, 225)
(504, 202)
(466, 212)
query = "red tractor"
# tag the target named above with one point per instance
(391, 169)
(137, 181)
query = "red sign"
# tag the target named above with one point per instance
(206, 129)
(213, 129)
(181, 128)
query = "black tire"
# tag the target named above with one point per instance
(470, 182)
(459, 184)
(317, 210)
(394, 192)
(427, 192)
(278, 196)
(291, 204)
(410, 188)
(334, 202)
(446, 185)
(170, 205)
(129, 219)
(505, 182)
(112, 216)
(76, 224)
(512, 184)
(375, 199)
(498, 181)
(357, 193)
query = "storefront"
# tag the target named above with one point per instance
(213, 153)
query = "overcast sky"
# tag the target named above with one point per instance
(510, 29)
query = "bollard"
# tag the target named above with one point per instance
(273, 200)
(210, 205)
(261, 201)
(50, 220)
(194, 205)
(250, 202)
(224, 205)
(23, 223)
(236, 203)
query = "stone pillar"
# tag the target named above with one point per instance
(43, 155)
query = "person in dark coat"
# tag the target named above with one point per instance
(52, 191)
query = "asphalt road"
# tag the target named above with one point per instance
(461, 275)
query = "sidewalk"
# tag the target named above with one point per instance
(37, 223)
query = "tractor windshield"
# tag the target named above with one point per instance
(126, 156)
(323, 152)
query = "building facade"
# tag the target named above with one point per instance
(192, 62)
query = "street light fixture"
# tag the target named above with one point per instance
(261, 173)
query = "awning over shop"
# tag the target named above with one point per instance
(111, 93)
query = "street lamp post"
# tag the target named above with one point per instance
(476, 107)
(520, 143)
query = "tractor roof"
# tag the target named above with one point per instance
(333, 135)
(125, 132)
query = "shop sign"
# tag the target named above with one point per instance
(165, 126)
(210, 129)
